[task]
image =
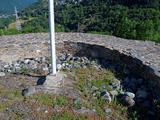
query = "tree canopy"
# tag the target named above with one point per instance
(138, 19)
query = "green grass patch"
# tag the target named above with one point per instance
(24, 70)
(46, 99)
(99, 78)
(49, 59)
(61, 100)
(50, 100)
(68, 115)
(64, 70)
(11, 96)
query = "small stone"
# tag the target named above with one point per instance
(116, 84)
(63, 64)
(107, 110)
(94, 94)
(122, 93)
(94, 88)
(131, 95)
(18, 68)
(84, 66)
(6, 66)
(69, 57)
(38, 109)
(9, 71)
(107, 97)
(67, 64)
(76, 102)
(89, 85)
(43, 69)
(94, 110)
(38, 59)
(126, 100)
(26, 61)
(29, 91)
(83, 110)
(116, 81)
(86, 90)
(103, 87)
(33, 66)
(59, 66)
(58, 108)
(103, 93)
(2, 74)
(43, 59)
(38, 51)
(110, 86)
(113, 92)
(46, 111)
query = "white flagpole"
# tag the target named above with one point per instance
(52, 37)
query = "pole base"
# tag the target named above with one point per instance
(53, 83)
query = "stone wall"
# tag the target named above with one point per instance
(142, 56)
(101, 52)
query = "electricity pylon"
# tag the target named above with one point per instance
(18, 24)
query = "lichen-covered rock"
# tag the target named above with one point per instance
(84, 110)
(130, 94)
(106, 96)
(29, 91)
(94, 88)
(107, 110)
(113, 92)
(127, 101)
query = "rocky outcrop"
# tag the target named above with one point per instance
(142, 56)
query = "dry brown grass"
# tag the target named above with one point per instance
(13, 25)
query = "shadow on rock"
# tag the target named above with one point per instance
(41, 80)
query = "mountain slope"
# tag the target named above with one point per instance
(8, 5)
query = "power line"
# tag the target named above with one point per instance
(18, 24)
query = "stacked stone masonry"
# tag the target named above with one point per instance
(144, 56)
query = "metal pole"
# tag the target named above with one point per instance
(52, 37)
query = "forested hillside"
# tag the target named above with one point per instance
(138, 19)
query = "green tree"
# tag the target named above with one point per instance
(145, 30)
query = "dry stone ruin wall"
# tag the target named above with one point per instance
(143, 56)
